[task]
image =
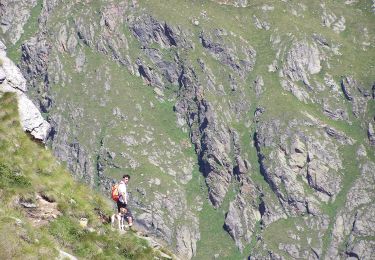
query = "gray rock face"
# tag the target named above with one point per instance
(161, 222)
(348, 86)
(34, 65)
(329, 19)
(216, 44)
(356, 219)
(113, 15)
(111, 41)
(148, 75)
(302, 241)
(212, 142)
(306, 160)
(3, 76)
(320, 178)
(11, 75)
(14, 15)
(302, 60)
(210, 77)
(13, 81)
(220, 101)
(357, 94)
(71, 151)
(261, 24)
(148, 30)
(169, 69)
(335, 113)
(2, 47)
(371, 134)
(243, 214)
(84, 32)
(186, 239)
(259, 85)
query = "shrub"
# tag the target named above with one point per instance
(11, 177)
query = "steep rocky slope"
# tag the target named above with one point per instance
(244, 124)
(11, 80)
(44, 213)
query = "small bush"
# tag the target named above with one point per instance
(10, 177)
(66, 231)
(9, 243)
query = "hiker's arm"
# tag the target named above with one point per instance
(125, 197)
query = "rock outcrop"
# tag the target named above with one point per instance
(371, 134)
(227, 53)
(13, 81)
(212, 141)
(243, 215)
(297, 159)
(302, 60)
(357, 94)
(148, 30)
(14, 15)
(160, 219)
(354, 224)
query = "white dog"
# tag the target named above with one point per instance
(121, 216)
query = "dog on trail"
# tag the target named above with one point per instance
(121, 217)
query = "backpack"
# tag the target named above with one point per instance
(114, 193)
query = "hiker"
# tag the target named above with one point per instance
(123, 198)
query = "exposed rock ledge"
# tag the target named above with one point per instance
(11, 80)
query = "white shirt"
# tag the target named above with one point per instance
(121, 191)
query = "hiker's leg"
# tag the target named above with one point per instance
(119, 221)
(130, 221)
(129, 217)
(113, 219)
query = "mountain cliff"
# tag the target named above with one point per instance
(248, 127)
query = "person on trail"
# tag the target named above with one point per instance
(123, 198)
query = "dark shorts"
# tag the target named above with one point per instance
(120, 205)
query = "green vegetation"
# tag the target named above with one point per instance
(138, 128)
(28, 170)
(286, 231)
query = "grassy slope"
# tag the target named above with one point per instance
(27, 168)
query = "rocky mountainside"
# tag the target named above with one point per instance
(44, 212)
(248, 127)
(11, 80)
